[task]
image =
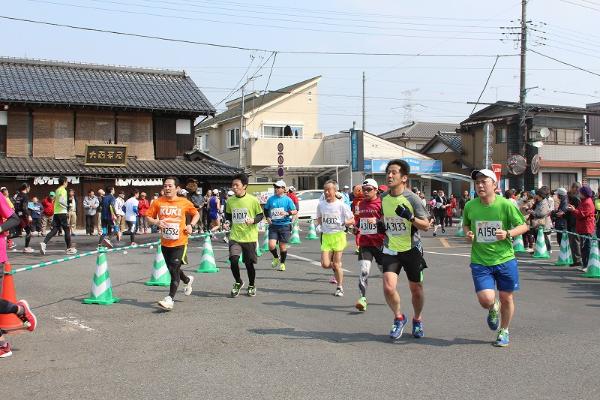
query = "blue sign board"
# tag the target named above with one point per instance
(417, 166)
(356, 149)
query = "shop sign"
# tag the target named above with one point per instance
(138, 182)
(50, 180)
(106, 155)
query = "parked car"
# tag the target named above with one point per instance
(308, 201)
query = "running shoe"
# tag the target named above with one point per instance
(251, 291)
(107, 243)
(361, 304)
(398, 328)
(493, 318)
(235, 290)
(133, 244)
(5, 351)
(332, 280)
(27, 250)
(11, 244)
(71, 251)
(503, 338)
(275, 263)
(187, 287)
(339, 292)
(166, 303)
(282, 267)
(417, 329)
(43, 248)
(28, 318)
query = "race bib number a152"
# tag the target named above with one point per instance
(486, 231)
(367, 228)
(396, 226)
(239, 215)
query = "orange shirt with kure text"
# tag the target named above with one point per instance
(173, 212)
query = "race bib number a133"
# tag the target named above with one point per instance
(486, 231)
(396, 226)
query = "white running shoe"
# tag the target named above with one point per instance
(339, 292)
(27, 250)
(43, 248)
(71, 251)
(187, 287)
(166, 303)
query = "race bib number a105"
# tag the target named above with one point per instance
(367, 228)
(239, 215)
(486, 231)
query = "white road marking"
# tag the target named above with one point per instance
(468, 255)
(72, 321)
(315, 263)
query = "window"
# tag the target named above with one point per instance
(501, 135)
(555, 180)
(305, 182)
(282, 131)
(233, 138)
(565, 136)
(202, 142)
(310, 195)
(594, 183)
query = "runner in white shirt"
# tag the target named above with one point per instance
(333, 216)
(131, 215)
(119, 202)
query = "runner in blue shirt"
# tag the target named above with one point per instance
(278, 210)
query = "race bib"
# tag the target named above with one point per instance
(278, 213)
(331, 221)
(396, 226)
(239, 215)
(171, 231)
(486, 231)
(367, 228)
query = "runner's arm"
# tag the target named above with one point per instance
(258, 218)
(10, 223)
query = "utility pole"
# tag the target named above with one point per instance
(363, 103)
(521, 181)
(241, 141)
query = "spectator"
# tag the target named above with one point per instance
(120, 214)
(509, 195)
(574, 241)
(540, 215)
(450, 209)
(198, 201)
(143, 206)
(346, 195)
(72, 211)
(99, 211)
(90, 208)
(462, 201)
(47, 212)
(441, 203)
(597, 206)
(559, 215)
(35, 209)
(131, 215)
(292, 195)
(584, 222)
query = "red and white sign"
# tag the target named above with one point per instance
(497, 168)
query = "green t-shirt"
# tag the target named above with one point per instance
(483, 221)
(60, 196)
(241, 208)
(398, 231)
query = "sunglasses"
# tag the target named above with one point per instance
(367, 189)
(279, 187)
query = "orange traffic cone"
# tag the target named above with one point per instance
(9, 321)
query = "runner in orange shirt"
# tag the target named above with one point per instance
(169, 214)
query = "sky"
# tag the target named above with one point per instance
(439, 53)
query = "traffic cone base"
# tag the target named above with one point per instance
(207, 263)
(540, 245)
(9, 321)
(518, 245)
(101, 284)
(312, 231)
(160, 273)
(295, 238)
(593, 268)
(265, 245)
(564, 256)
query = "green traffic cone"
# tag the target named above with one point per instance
(518, 245)
(460, 232)
(101, 286)
(564, 256)
(265, 245)
(593, 267)
(160, 273)
(312, 231)
(259, 252)
(295, 238)
(207, 263)
(540, 245)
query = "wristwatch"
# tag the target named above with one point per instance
(508, 235)
(412, 219)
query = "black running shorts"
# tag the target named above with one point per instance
(411, 261)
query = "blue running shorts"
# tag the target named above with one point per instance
(504, 277)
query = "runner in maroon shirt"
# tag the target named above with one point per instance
(370, 240)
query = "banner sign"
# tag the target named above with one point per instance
(417, 166)
(106, 155)
(357, 150)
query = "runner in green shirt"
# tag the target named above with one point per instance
(243, 211)
(490, 221)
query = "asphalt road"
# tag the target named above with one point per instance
(295, 340)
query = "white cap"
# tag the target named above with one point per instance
(487, 172)
(346, 187)
(280, 183)
(230, 193)
(215, 191)
(370, 182)
(292, 189)
(183, 192)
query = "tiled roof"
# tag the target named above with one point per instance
(252, 102)
(452, 141)
(24, 81)
(41, 166)
(424, 130)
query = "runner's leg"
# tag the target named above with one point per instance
(507, 308)
(337, 267)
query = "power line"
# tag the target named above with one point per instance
(486, 83)
(580, 5)
(226, 46)
(564, 62)
(299, 28)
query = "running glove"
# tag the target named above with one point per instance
(404, 212)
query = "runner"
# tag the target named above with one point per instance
(108, 217)
(22, 210)
(489, 223)
(214, 205)
(169, 214)
(403, 216)
(131, 212)
(278, 210)
(8, 221)
(333, 215)
(370, 241)
(243, 211)
(59, 219)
